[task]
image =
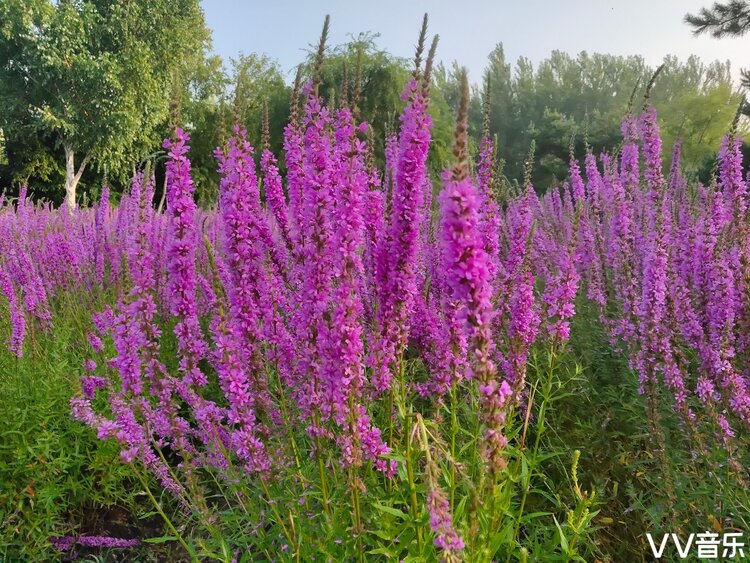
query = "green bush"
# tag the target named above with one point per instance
(56, 478)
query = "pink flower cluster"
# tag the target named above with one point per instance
(665, 263)
(306, 296)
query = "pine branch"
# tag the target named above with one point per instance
(721, 20)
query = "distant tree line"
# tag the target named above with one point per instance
(86, 88)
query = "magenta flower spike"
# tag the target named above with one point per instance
(182, 243)
(399, 250)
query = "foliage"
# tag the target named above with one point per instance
(579, 98)
(331, 363)
(89, 77)
(730, 18)
(56, 479)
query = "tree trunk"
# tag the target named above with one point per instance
(71, 176)
(163, 196)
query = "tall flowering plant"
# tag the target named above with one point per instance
(324, 350)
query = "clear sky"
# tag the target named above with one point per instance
(469, 29)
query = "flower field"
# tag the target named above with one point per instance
(340, 361)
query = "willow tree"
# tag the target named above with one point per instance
(92, 76)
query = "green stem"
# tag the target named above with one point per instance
(276, 513)
(537, 440)
(389, 414)
(323, 478)
(354, 485)
(409, 462)
(198, 501)
(454, 432)
(172, 474)
(357, 516)
(474, 474)
(166, 519)
(292, 438)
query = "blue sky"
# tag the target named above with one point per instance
(469, 29)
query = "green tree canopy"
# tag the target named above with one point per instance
(584, 99)
(92, 78)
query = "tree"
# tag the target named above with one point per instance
(374, 76)
(258, 83)
(731, 19)
(3, 153)
(215, 99)
(720, 20)
(584, 98)
(92, 77)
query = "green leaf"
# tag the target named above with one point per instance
(382, 551)
(161, 539)
(533, 515)
(563, 539)
(390, 510)
(382, 534)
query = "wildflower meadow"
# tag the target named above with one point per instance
(349, 358)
